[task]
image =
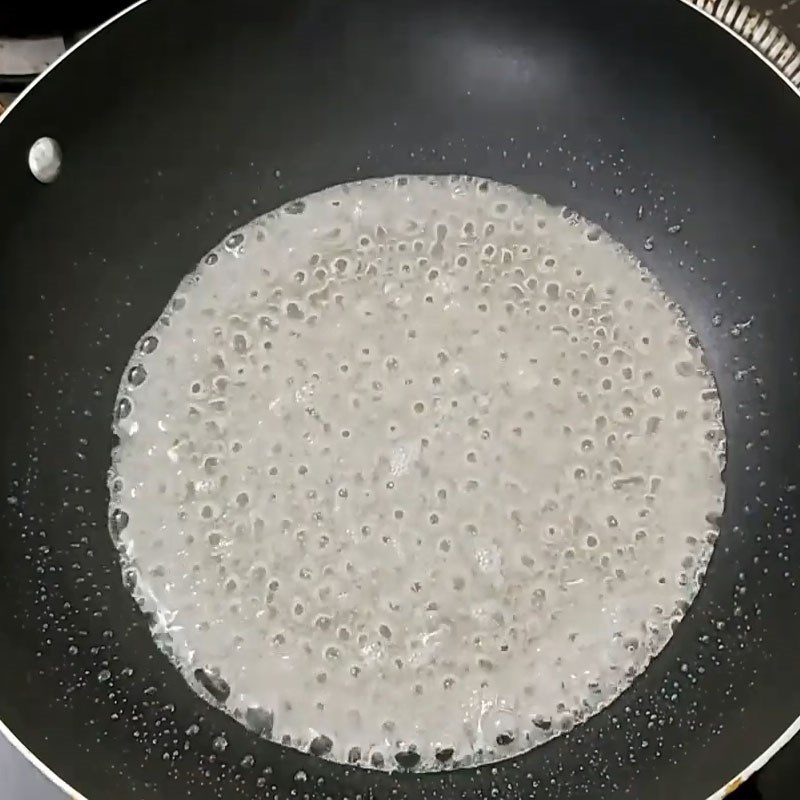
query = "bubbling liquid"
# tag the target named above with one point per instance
(416, 471)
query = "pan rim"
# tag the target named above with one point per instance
(750, 28)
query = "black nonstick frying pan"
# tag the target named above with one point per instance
(181, 120)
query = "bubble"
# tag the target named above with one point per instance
(137, 375)
(295, 207)
(407, 760)
(119, 521)
(260, 720)
(148, 344)
(213, 684)
(234, 241)
(320, 746)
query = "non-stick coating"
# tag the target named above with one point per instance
(187, 117)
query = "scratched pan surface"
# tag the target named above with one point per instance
(184, 118)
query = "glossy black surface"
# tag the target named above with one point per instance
(622, 110)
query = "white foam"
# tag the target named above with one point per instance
(417, 464)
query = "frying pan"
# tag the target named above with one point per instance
(182, 119)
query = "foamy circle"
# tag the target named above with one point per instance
(419, 470)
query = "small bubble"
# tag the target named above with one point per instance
(137, 375)
(119, 521)
(234, 241)
(148, 344)
(296, 206)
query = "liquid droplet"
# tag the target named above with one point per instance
(739, 327)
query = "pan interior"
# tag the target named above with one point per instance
(420, 469)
